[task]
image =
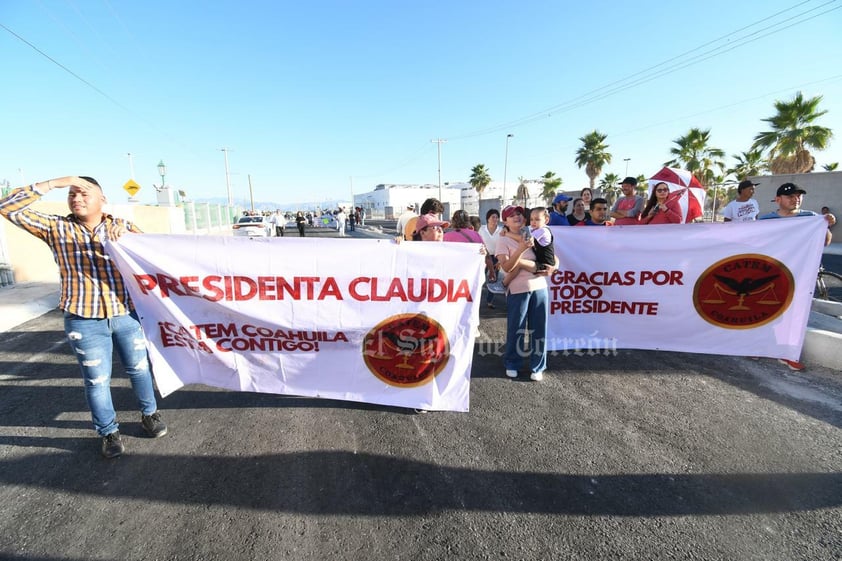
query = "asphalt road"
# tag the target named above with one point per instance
(634, 455)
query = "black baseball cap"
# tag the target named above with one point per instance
(745, 184)
(790, 189)
(630, 181)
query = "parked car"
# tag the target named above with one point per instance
(253, 226)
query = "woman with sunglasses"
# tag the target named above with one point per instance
(428, 228)
(527, 297)
(660, 209)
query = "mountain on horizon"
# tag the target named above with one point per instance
(268, 205)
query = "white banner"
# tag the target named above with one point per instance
(356, 320)
(732, 289)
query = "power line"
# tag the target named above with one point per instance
(654, 72)
(66, 69)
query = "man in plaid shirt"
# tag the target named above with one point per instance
(98, 313)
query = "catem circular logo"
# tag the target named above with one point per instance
(406, 350)
(743, 291)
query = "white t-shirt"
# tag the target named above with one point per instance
(737, 211)
(489, 239)
(403, 220)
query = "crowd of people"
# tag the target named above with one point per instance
(523, 254)
(99, 315)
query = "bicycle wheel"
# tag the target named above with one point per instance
(829, 286)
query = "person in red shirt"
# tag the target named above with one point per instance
(660, 209)
(626, 211)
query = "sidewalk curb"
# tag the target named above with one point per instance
(30, 300)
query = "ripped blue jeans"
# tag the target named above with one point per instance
(93, 341)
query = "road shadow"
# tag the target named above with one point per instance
(346, 483)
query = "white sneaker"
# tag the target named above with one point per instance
(511, 373)
(536, 376)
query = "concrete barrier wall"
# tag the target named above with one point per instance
(32, 261)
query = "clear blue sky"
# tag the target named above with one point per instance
(309, 94)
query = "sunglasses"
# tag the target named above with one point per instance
(433, 228)
(662, 190)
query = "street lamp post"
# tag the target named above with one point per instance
(227, 176)
(439, 141)
(162, 171)
(506, 167)
(627, 165)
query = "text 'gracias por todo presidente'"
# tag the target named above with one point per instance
(574, 292)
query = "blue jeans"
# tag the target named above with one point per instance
(489, 296)
(526, 310)
(92, 341)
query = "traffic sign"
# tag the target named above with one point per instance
(131, 187)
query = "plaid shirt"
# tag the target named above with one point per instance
(91, 286)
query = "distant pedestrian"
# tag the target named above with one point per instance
(300, 222)
(279, 221)
(98, 313)
(340, 222)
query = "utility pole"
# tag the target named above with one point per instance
(251, 194)
(227, 176)
(506, 168)
(439, 141)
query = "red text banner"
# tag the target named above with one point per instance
(733, 288)
(357, 320)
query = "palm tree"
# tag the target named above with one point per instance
(831, 167)
(609, 185)
(551, 185)
(522, 194)
(642, 185)
(693, 153)
(748, 164)
(793, 134)
(479, 178)
(593, 155)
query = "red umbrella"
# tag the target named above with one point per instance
(685, 188)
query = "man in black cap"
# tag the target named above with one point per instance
(627, 209)
(558, 216)
(789, 197)
(744, 208)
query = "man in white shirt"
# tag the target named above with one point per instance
(404, 220)
(744, 208)
(340, 222)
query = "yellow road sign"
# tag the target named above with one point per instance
(131, 187)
